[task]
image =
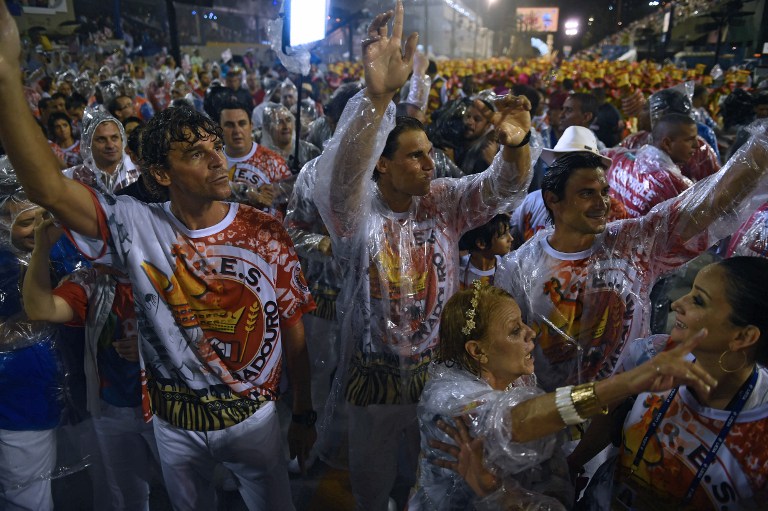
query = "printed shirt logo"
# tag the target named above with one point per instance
(587, 314)
(673, 456)
(226, 297)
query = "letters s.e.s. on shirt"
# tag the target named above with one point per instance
(210, 306)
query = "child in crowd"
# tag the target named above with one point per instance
(31, 380)
(486, 245)
(101, 300)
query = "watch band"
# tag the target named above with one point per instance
(307, 418)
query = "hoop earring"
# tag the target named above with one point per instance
(741, 366)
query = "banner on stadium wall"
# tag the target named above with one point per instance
(538, 19)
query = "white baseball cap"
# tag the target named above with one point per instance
(575, 139)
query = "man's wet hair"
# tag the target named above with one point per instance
(559, 172)
(176, 124)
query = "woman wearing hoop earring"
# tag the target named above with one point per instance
(681, 450)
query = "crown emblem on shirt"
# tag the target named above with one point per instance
(192, 300)
(410, 281)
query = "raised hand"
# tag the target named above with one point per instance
(47, 231)
(10, 46)
(512, 118)
(387, 66)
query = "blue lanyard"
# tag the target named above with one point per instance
(741, 400)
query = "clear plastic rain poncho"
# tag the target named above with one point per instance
(643, 178)
(273, 115)
(88, 173)
(398, 269)
(751, 239)
(705, 161)
(321, 328)
(585, 306)
(527, 470)
(32, 375)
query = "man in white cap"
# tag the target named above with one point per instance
(531, 216)
(583, 285)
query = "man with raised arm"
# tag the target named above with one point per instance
(395, 234)
(218, 289)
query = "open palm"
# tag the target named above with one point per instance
(386, 65)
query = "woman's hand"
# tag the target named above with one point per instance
(468, 453)
(670, 369)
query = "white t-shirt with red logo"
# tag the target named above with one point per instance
(210, 304)
(737, 477)
(259, 167)
(584, 306)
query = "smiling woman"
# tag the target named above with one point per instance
(485, 369)
(713, 459)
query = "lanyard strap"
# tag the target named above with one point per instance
(741, 399)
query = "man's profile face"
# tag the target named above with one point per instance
(682, 144)
(236, 126)
(410, 170)
(585, 205)
(107, 145)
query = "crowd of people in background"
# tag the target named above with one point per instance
(456, 276)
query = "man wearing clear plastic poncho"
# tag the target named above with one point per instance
(279, 135)
(395, 239)
(646, 177)
(105, 165)
(31, 392)
(584, 285)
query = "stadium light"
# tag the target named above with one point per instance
(571, 27)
